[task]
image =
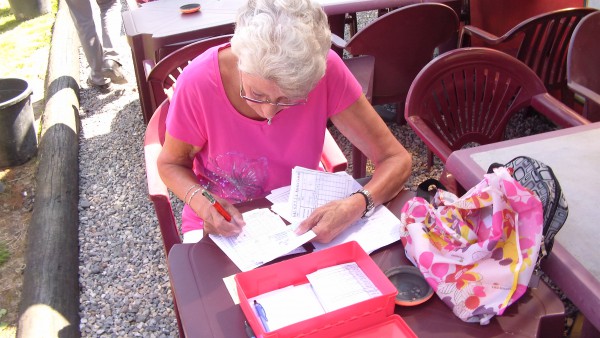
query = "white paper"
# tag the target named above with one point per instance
(285, 211)
(288, 305)
(342, 285)
(371, 233)
(231, 286)
(264, 238)
(311, 189)
(279, 195)
(378, 230)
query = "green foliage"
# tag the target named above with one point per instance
(5, 330)
(4, 255)
(23, 42)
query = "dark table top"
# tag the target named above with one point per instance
(207, 309)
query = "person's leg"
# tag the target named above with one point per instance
(111, 22)
(81, 13)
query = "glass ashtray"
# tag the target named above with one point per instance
(412, 287)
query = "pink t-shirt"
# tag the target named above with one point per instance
(243, 159)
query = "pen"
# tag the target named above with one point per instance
(262, 315)
(249, 331)
(217, 205)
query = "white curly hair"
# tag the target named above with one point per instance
(284, 41)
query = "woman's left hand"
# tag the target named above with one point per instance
(331, 219)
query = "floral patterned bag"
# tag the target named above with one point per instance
(478, 251)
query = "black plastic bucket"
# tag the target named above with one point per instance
(18, 139)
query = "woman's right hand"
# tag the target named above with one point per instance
(214, 222)
(175, 164)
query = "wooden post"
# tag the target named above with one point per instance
(50, 299)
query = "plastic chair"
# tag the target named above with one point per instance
(541, 42)
(469, 94)
(161, 77)
(157, 190)
(583, 67)
(402, 42)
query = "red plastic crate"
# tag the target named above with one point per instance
(393, 327)
(350, 319)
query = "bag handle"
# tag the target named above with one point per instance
(425, 191)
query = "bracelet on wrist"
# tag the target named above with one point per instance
(201, 188)
(189, 190)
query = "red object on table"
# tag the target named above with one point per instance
(365, 314)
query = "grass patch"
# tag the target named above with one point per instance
(21, 42)
(4, 253)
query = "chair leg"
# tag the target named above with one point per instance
(448, 180)
(179, 326)
(567, 96)
(352, 22)
(429, 159)
(384, 11)
(400, 119)
(359, 163)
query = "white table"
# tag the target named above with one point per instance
(574, 155)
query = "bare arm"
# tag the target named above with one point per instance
(175, 168)
(365, 129)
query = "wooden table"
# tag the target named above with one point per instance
(207, 310)
(156, 27)
(574, 155)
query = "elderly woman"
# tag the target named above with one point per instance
(245, 113)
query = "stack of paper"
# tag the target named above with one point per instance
(312, 188)
(266, 237)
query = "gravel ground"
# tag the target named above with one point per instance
(124, 280)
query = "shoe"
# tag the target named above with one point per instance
(113, 70)
(102, 85)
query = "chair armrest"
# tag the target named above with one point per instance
(338, 41)
(147, 65)
(157, 190)
(156, 187)
(332, 157)
(363, 69)
(159, 195)
(152, 148)
(556, 111)
(585, 92)
(429, 137)
(478, 33)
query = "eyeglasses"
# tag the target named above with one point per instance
(283, 104)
